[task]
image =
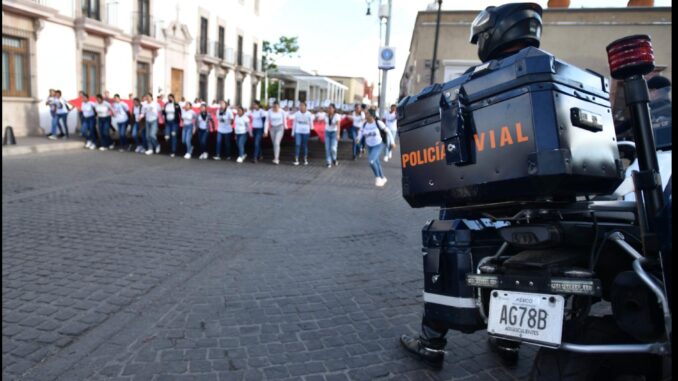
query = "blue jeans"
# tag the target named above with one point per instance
(135, 134)
(88, 128)
(56, 122)
(373, 154)
(331, 146)
(258, 133)
(241, 139)
(122, 133)
(353, 132)
(226, 139)
(105, 131)
(299, 140)
(202, 136)
(152, 134)
(172, 128)
(186, 136)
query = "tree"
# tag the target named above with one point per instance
(284, 47)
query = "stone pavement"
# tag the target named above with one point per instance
(118, 266)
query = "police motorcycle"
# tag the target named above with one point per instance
(532, 242)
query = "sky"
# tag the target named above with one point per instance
(336, 37)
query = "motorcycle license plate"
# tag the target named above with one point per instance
(535, 318)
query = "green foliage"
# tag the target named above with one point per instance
(273, 90)
(284, 47)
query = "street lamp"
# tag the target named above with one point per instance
(435, 43)
(368, 7)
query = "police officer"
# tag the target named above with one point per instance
(499, 32)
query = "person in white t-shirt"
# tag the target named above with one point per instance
(276, 121)
(258, 121)
(205, 126)
(121, 116)
(358, 118)
(104, 112)
(391, 119)
(150, 113)
(62, 110)
(137, 127)
(375, 144)
(332, 120)
(224, 129)
(242, 127)
(171, 111)
(301, 131)
(88, 121)
(189, 117)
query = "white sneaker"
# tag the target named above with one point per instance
(86, 145)
(296, 161)
(244, 157)
(111, 146)
(149, 152)
(171, 155)
(329, 165)
(187, 156)
(276, 162)
(240, 159)
(157, 149)
(386, 158)
(305, 161)
(103, 148)
(390, 155)
(377, 182)
(167, 137)
(121, 150)
(216, 158)
(52, 137)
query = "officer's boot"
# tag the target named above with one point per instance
(430, 351)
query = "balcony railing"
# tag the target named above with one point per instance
(143, 24)
(230, 56)
(205, 47)
(219, 50)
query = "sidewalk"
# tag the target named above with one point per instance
(37, 144)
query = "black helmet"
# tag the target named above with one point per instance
(497, 28)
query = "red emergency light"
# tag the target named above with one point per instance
(632, 55)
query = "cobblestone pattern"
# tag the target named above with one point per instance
(123, 267)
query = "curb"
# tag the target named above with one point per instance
(40, 148)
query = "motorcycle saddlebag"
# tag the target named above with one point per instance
(527, 127)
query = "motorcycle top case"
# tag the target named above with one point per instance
(527, 127)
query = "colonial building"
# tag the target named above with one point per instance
(206, 49)
(576, 35)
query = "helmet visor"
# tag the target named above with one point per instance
(480, 24)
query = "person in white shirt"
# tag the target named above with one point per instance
(136, 127)
(358, 118)
(104, 112)
(242, 127)
(88, 121)
(121, 115)
(189, 117)
(301, 131)
(205, 125)
(51, 102)
(258, 121)
(372, 131)
(224, 129)
(276, 121)
(332, 120)
(150, 112)
(172, 114)
(391, 119)
(62, 109)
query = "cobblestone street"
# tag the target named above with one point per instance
(118, 266)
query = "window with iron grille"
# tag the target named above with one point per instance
(203, 87)
(220, 49)
(220, 88)
(15, 67)
(143, 78)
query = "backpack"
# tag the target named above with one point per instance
(382, 132)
